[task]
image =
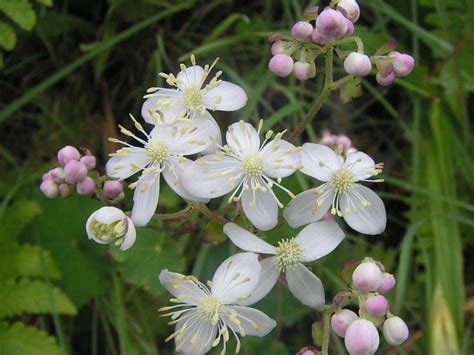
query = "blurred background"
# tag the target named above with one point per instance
(71, 70)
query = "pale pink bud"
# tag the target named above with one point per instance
(376, 306)
(341, 320)
(302, 70)
(385, 80)
(278, 47)
(57, 174)
(45, 176)
(86, 186)
(367, 276)
(331, 24)
(357, 64)
(344, 141)
(350, 9)
(362, 338)
(281, 65)
(388, 282)
(49, 188)
(316, 37)
(302, 30)
(395, 331)
(350, 28)
(65, 190)
(89, 161)
(305, 351)
(66, 154)
(403, 64)
(112, 189)
(74, 172)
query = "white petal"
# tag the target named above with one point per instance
(236, 278)
(260, 207)
(214, 131)
(129, 162)
(165, 108)
(108, 214)
(225, 97)
(305, 286)
(360, 163)
(212, 176)
(319, 239)
(319, 161)
(242, 137)
(183, 287)
(193, 75)
(246, 240)
(130, 236)
(304, 209)
(197, 335)
(173, 173)
(251, 321)
(279, 159)
(369, 219)
(145, 198)
(186, 138)
(268, 278)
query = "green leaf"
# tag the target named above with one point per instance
(33, 296)
(35, 261)
(7, 36)
(47, 3)
(350, 90)
(16, 219)
(20, 11)
(213, 233)
(19, 339)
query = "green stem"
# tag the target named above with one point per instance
(210, 214)
(167, 216)
(355, 39)
(326, 331)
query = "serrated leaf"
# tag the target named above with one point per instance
(19, 339)
(35, 261)
(20, 11)
(350, 90)
(16, 218)
(7, 36)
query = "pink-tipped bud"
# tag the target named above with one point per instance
(350, 28)
(350, 9)
(305, 351)
(316, 37)
(302, 30)
(112, 189)
(49, 188)
(66, 154)
(278, 47)
(357, 64)
(340, 321)
(388, 282)
(331, 24)
(403, 64)
(57, 174)
(376, 306)
(344, 141)
(367, 276)
(86, 186)
(395, 331)
(385, 80)
(89, 161)
(65, 190)
(362, 338)
(281, 65)
(45, 176)
(74, 172)
(302, 71)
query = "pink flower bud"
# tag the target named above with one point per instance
(316, 37)
(112, 189)
(362, 338)
(66, 154)
(305, 351)
(57, 174)
(278, 47)
(403, 64)
(367, 276)
(302, 30)
(49, 188)
(65, 190)
(86, 186)
(89, 161)
(344, 141)
(357, 64)
(376, 306)
(302, 70)
(350, 28)
(45, 176)
(74, 172)
(350, 9)
(385, 80)
(395, 331)
(388, 282)
(341, 320)
(331, 24)
(281, 65)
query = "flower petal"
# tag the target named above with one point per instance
(369, 219)
(249, 321)
(304, 209)
(126, 162)
(163, 108)
(246, 240)
(236, 278)
(319, 161)
(242, 137)
(145, 198)
(130, 236)
(319, 239)
(225, 97)
(360, 164)
(183, 287)
(280, 158)
(193, 75)
(305, 286)
(194, 335)
(260, 207)
(214, 132)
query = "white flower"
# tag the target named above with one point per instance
(110, 225)
(163, 152)
(340, 193)
(204, 317)
(249, 169)
(312, 242)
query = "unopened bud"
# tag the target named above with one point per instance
(74, 172)
(376, 306)
(57, 174)
(65, 190)
(403, 64)
(341, 320)
(302, 70)
(86, 186)
(344, 141)
(278, 47)
(388, 282)
(362, 338)
(281, 65)
(385, 80)
(357, 64)
(302, 30)
(305, 351)
(367, 276)
(316, 37)
(395, 330)
(331, 24)
(89, 161)
(49, 188)
(112, 189)
(66, 154)
(45, 176)
(350, 9)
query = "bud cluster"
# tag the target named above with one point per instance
(335, 141)
(393, 65)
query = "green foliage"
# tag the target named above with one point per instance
(18, 339)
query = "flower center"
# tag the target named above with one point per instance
(110, 232)
(157, 150)
(210, 309)
(288, 254)
(192, 97)
(342, 180)
(252, 165)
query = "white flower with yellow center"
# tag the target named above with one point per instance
(247, 168)
(312, 242)
(206, 317)
(163, 151)
(341, 192)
